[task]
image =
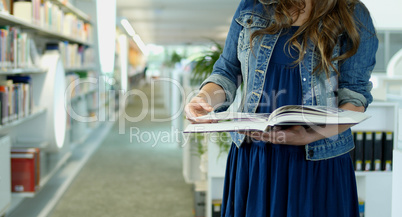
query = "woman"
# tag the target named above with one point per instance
(308, 52)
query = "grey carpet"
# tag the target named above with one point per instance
(125, 178)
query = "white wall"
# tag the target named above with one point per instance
(386, 14)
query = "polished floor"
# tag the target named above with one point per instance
(131, 175)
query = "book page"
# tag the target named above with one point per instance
(220, 116)
(318, 110)
(227, 126)
(343, 117)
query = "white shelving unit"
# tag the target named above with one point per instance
(23, 71)
(5, 182)
(6, 19)
(375, 188)
(46, 124)
(216, 175)
(68, 7)
(45, 180)
(80, 69)
(10, 125)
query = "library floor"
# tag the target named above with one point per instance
(124, 178)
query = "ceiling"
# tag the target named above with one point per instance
(177, 22)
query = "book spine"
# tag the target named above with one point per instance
(368, 151)
(4, 104)
(16, 100)
(11, 93)
(388, 148)
(359, 151)
(378, 151)
(23, 172)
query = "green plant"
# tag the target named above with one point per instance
(198, 138)
(224, 142)
(204, 63)
(173, 59)
(202, 67)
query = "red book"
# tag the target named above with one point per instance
(25, 170)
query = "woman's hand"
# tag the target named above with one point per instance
(209, 96)
(197, 107)
(293, 135)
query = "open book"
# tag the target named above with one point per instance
(285, 115)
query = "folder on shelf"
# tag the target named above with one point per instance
(377, 155)
(216, 208)
(388, 148)
(368, 151)
(359, 151)
(361, 207)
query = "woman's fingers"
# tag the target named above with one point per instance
(293, 135)
(197, 107)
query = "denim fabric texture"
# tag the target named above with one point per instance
(239, 64)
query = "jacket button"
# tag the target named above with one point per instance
(249, 21)
(310, 153)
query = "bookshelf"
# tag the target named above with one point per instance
(12, 124)
(7, 19)
(375, 187)
(79, 69)
(22, 71)
(68, 7)
(5, 182)
(45, 179)
(46, 124)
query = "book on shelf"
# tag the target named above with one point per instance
(361, 207)
(16, 98)
(359, 151)
(216, 207)
(377, 154)
(4, 7)
(285, 115)
(388, 148)
(23, 10)
(48, 15)
(373, 151)
(4, 104)
(15, 49)
(368, 151)
(25, 169)
(199, 199)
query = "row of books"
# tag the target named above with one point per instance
(25, 170)
(17, 49)
(75, 56)
(373, 151)
(48, 15)
(78, 84)
(15, 98)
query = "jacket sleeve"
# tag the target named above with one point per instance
(227, 70)
(355, 72)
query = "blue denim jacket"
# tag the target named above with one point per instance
(239, 64)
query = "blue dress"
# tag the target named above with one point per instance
(276, 180)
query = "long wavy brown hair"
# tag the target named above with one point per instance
(328, 19)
